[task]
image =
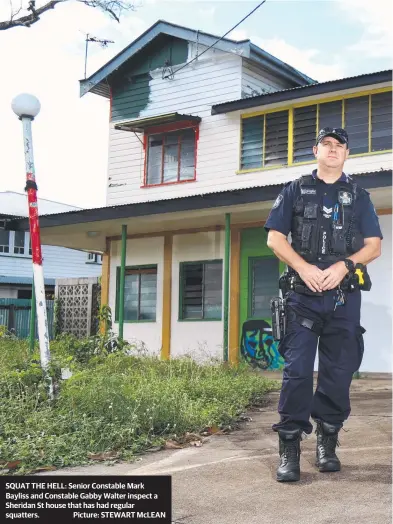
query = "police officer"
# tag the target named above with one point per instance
(335, 233)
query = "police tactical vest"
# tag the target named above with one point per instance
(316, 237)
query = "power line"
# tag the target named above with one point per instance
(223, 36)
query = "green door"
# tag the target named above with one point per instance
(259, 274)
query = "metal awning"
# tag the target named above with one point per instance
(140, 125)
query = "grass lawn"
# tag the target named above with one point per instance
(115, 405)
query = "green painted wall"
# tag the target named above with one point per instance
(130, 86)
(253, 244)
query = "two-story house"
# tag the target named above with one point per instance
(16, 270)
(203, 136)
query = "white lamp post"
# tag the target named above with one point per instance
(26, 107)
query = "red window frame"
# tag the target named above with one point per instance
(167, 128)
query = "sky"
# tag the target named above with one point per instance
(325, 39)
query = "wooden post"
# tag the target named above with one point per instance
(226, 282)
(106, 257)
(234, 318)
(122, 278)
(167, 298)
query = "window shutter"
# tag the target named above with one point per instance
(276, 140)
(305, 125)
(356, 123)
(381, 121)
(252, 142)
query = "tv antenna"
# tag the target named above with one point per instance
(103, 43)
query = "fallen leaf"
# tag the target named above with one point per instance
(46, 468)
(171, 444)
(103, 456)
(13, 465)
(213, 429)
(191, 436)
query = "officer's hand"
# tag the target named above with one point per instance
(333, 275)
(312, 276)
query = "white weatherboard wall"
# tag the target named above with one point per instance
(202, 339)
(58, 262)
(218, 151)
(214, 78)
(377, 307)
(255, 81)
(141, 251)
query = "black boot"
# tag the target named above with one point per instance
(289, 448)
(327, 440)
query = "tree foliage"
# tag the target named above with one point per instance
(26, 16)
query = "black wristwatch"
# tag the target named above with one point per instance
(349, 264)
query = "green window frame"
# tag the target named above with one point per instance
(200, 290)
(263, 276)
(285, 137)
(140, 294)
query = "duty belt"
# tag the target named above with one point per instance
(295, 283)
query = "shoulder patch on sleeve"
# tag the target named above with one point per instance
(278, 201)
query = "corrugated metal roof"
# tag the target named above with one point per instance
(253, 101)
(229, 197)
(15, 204)
(24, 280)
(212, 192)
(97, 83)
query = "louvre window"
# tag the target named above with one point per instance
(201, 290)
(381, 121)
(264, 272)
(140, 294)
(276, 139)
(252, 142)
(265, 140)
(367, 119)
(305, 125)
(171, 157)
(356, 116)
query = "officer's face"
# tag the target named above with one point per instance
(331, 153)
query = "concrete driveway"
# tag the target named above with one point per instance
(231, 478)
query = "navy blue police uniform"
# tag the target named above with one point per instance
(325, 320)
